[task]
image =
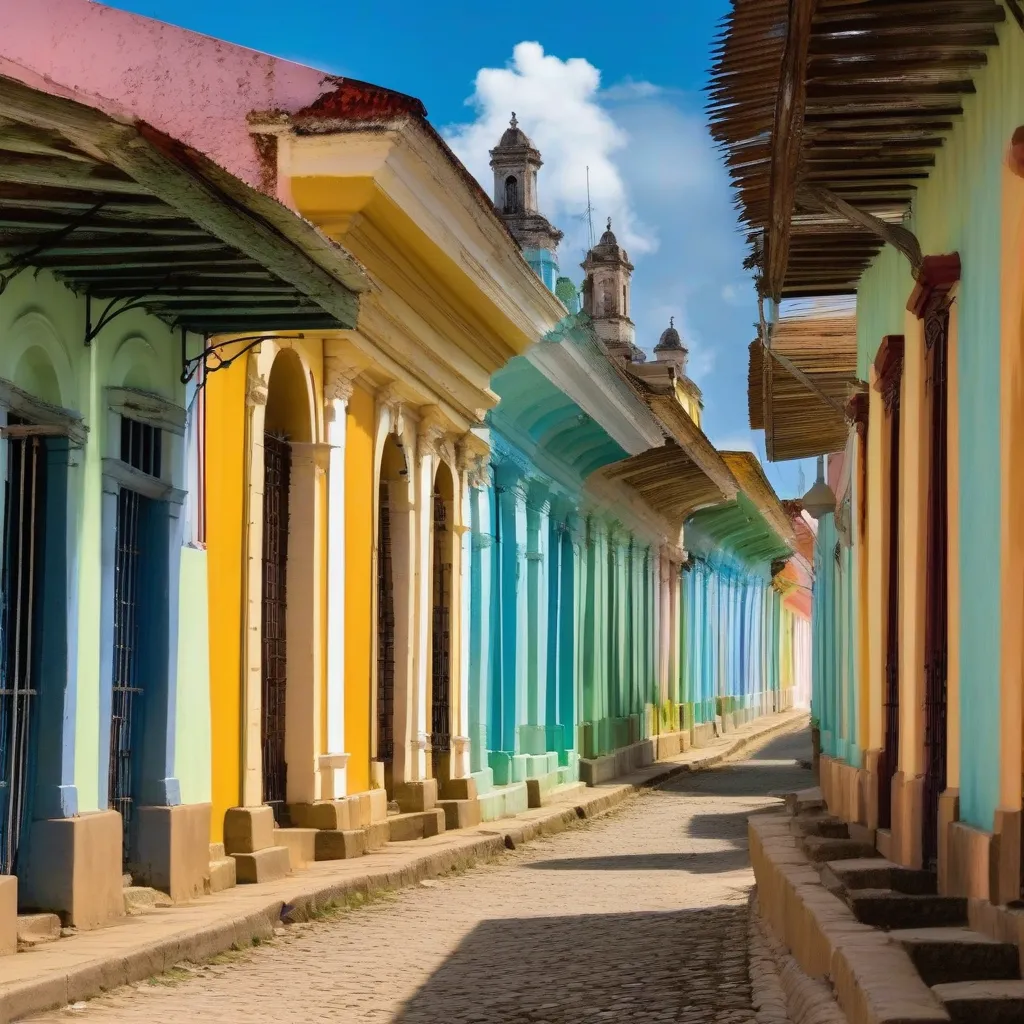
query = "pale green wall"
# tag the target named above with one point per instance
(959, 208)
(192, 750)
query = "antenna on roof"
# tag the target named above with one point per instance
(590, 210)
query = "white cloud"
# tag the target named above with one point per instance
(558, 105)
(630, 89)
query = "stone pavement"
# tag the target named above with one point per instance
(641, 915)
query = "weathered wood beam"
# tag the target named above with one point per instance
(901, 238)
(786, 142)
(43, 170)
(242, 218)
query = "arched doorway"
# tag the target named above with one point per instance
(441, 624)
(286, 423)
(392, 604)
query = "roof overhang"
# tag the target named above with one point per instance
(803, 417)
(572, 360)
(365, 165)
(119, 210)
(748, 473)
(849, 99)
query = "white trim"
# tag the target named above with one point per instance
(14, 400)
(336, 438)
(145, 407)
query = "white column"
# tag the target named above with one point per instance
(334, 763)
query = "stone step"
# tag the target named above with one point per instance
(823, 848)
(503, 801)
(37, 929)
(877, 873)
(460, 813)
(944, 955)
(301, 844)
(217, 851)
(539, 789)
(804, 800)
(266, 865)
(825, 825)
(886, 908)
(340, 844)
(415, 825)
(567, 791)
(222, 874)
(983, 1002)
(139, 898)
(378, 835)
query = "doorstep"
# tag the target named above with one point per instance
(88, 963)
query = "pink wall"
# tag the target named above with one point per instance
(192, 87)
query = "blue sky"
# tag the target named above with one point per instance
(610, 86)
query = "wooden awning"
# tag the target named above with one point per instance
(800, 422)
(851, 98)
(123, 212)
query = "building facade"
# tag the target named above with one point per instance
(917, 676)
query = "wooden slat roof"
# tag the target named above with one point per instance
(884, 81)
(798, 422)
(121, 212)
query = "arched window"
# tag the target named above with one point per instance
(511, 194)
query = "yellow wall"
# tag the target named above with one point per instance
(359, 506)
(225, 489)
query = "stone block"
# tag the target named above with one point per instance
(460, 789)
(171, 850)
(460, 813)
(341, 844)
(415, 797)
(37, 929)
(300, 843)
(9, 915)
(378, 835)
(248, 829)
(416, 825)
(537, 789)
(324, 814)
(222, 875)
(983, 1002)
(73, 868)
(944, 955)
(265, 865)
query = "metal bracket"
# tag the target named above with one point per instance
(113, 310)
(210, 359)
(10, 270)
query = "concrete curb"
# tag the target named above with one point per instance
(79, 981)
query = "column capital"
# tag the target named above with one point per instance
(255, 389)
(339, 380)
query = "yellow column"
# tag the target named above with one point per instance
(359, 642)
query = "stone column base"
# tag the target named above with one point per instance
(869, 787)
(248, 829)
(416, 796)
(949, 815)
(907, 819)
(171, 849)
(73, 869)
(1006, 856)
(8, 914)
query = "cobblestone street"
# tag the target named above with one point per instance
(639, 916)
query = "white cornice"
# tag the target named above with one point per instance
(620, 412)
(409, 168)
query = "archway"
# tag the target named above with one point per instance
(392, 602)
(287, 422)
(442, 536)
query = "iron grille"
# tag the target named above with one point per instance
(140, 446)
(385, 631)
(936, 327)
(277, 460)
(891, 708)
(25, 498)
(130, 510)
(440, 702)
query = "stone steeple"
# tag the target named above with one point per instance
(515, 162)
(606, 296)
(670, 348)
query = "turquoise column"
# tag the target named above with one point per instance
(480, 668)
(533, 727)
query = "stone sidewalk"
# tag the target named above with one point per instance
(84, 965)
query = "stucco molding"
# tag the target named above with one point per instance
(256, 389)
(21, 403)
(145, 407)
